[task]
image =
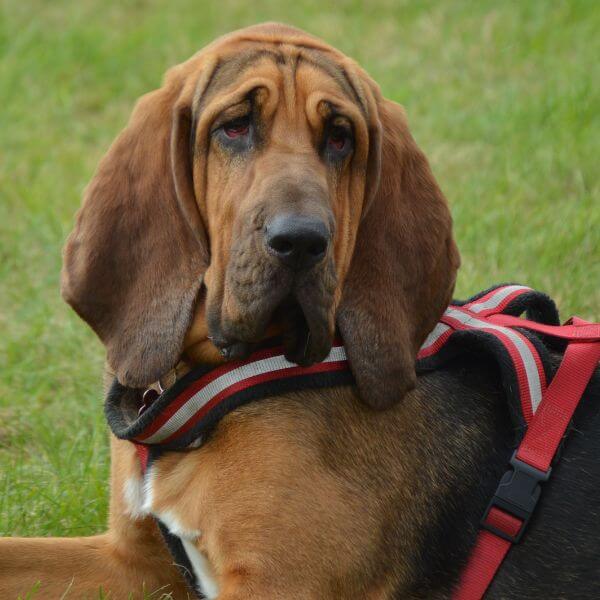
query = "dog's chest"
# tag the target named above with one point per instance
(143, 498)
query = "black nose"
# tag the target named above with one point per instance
(297, 241)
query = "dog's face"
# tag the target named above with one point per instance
(269, 168)
(282, 135)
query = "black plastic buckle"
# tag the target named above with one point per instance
(517, 494)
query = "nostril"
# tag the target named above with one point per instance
(317, 249)
(281, 245)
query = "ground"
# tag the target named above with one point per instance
(503, 98)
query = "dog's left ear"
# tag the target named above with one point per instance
(404, 265)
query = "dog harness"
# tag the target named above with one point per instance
(541, 403)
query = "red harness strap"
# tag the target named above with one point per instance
(512, 506)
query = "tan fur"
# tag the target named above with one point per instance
(283, 494)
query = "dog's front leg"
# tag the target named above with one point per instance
(128, 561)
(77, 568)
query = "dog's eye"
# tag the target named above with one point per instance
(339, 140)
(237, 127)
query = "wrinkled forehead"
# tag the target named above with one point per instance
(298, 70)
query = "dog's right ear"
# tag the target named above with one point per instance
(133, 264)
(404, 265)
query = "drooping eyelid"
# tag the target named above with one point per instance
(212, 113)
(341, 121)
(322, 108)
(237, 111)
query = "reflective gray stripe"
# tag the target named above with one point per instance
(207, 393)
(531, 369)
(496, 298)
(438, 331)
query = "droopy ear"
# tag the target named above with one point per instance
(403, 268)
(134, 262)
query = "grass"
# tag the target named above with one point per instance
(101, 595)
(503, 97)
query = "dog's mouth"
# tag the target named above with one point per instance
(306, 336)
(300, 311)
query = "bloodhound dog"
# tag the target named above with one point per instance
(268, 187)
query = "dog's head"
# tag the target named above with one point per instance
(266, 186)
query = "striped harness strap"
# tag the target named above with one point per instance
(490, 320)
(180, 417)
